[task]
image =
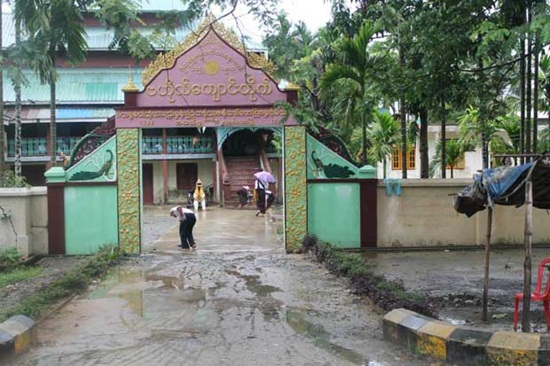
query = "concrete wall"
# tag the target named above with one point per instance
(423, 215)
(24, 220)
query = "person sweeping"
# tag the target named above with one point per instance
(187, 221)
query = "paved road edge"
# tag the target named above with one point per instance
(16, 334)
(464, 346)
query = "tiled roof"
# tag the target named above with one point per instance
(94, 86)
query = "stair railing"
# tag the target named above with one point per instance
(226, 185)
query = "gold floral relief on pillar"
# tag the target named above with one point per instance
(295, 187)
(129, 227)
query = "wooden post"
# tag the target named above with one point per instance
(525, 324)
(484, 316)
(164, 168)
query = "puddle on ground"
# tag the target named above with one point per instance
(320, 338)
(455, 321)
(254, 285)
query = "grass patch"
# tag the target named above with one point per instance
(18, 275)
(9, 259)
(74, 281)
(387, 294)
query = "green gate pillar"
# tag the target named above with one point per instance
(295, 186)
(129, 185)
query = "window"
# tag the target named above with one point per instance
(396, 158)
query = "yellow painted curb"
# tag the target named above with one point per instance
(509, 348)
(433, 337)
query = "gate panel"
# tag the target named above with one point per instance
(295, 186)
(129, 234)
(90, 218)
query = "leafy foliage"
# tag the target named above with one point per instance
(454, 154)
(76, 280)
(8, 179)
(384, 134)
(9, 259)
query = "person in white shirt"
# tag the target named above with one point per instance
(187, 221)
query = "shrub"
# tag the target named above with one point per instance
(387, 294)
(9, 259)
(8, 179)
(74, 281)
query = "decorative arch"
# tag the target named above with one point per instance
(223, 133)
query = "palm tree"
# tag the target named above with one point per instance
(477, 131)
(384, 134)
(454, 153)
(58, 26)
(507, 139)
(348, 79)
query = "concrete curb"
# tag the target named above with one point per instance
(16, 335)
(463, 346)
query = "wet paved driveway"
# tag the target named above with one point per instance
(238, 300)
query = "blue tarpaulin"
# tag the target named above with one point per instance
(506, 186)
(499, 180)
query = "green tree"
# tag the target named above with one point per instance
(349, 80)
(454, 154)
(384, 135)
(507, 138)
(58, 27)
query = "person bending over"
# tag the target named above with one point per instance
(187, 221)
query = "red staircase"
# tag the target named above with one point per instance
(240, 171)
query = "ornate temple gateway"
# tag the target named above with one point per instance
(209, 109)
(210, 91)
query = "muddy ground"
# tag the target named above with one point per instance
(255, 308)
(240, 299)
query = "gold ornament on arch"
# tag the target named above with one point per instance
(211, 68)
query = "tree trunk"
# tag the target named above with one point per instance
(53, 127)
(2, 140)
(528, 86)
(443, 139)
(364, 128)
(522, 97)
(17, 90)
(536, 95)
(385, 167)
(403, 118)
(424, 158)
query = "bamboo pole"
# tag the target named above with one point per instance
(525, 324)
(484, 316)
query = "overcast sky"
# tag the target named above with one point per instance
(315, 13)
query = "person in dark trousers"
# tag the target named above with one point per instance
(259, 193)
(187, 220)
